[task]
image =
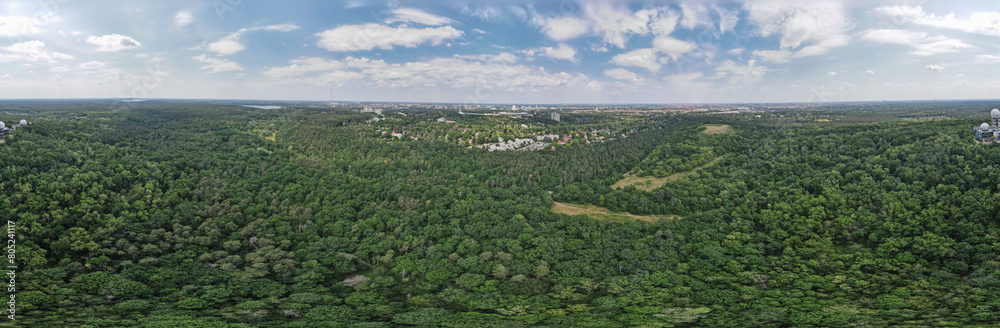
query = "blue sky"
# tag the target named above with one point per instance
(567, 51)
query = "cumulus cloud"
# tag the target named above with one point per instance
(644, 58)
(113, 42)
(869, 72)
(935, 68)
(806, 28)
(563, 28)
(411, 15)
(831, 73)
(230, 44)
(15, 26)
(183, 18)
(370, 36)
(922, 43)
(449, 72)
(562, 52)
(984, 23)
(985, 59)
(694, 15)
(216, 65)
(614, 24)
(31, 51)
(622, 74)
(672, 47)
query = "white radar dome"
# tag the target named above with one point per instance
(995, 113)
(24, 122)
(984, 126)
(2, 125)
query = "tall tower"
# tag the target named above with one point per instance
(995, 118)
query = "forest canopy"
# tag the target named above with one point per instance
(173, 214)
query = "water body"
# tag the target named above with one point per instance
(262, 107)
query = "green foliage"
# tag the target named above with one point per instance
(183, 215)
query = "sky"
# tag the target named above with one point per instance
(482, 52)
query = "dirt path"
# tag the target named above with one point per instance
(597, 212)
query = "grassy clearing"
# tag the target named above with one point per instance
(716, 128)
(597, 212)
(649, 183)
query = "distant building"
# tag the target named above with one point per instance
(372, 110)
(555, 116)
(987, 132)
(9, 130)
(442, 120)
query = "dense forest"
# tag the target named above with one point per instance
(180, 214)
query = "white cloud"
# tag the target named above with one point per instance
(813, 28)
(985, 23)
(774, 56)
(869, 72)
(92, 65)
(831, 73)
(486, 13)
(230, 44)
(478, 31)
(503, 57)
(741, 73)
(32, 51)
(113, 42)
(370, 36)
(59, 69)
(6, 76)
(615, 24)
(736, 51)
(278, 27)
(922, 43)
(694, 15)
(15, 26)
(622, 74)
(183, 18)
(645, 58)
(563, 28)
(985, 59)
(411, 15)
(935, 68)
(449, 72)
(562, 52)
(727, 19)
(216, 65)
(672, 47)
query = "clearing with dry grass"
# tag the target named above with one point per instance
(597, 212)
(649, 183)
(716, 128)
